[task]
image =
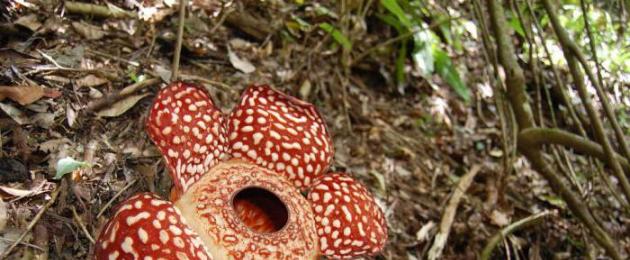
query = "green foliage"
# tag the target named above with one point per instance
(337, 35)
(68, 165)
(447, 71)
(427, 54)
(613, 49)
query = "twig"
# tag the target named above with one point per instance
(49, 58)
(109, 56)
(218, 84)
(109, 203)
(119, 95)
(494, 240)
(449, 212)
(180, 37)
(97, 10)
(53, 198)
(83, 228)
(23, 243)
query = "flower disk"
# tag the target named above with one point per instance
(225, 217)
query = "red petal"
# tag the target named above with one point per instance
(147, 226)
(281, 133)
(349, 222)
(188, 129)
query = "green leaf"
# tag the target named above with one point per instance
(516, 26)
(68, 165)
(447, 71)
(393, 7)
(400, 65)
(337, 35)
(391, 21)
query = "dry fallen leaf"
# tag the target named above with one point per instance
(122, 106)
(29, 21)
(3, 215)
(91, 81)
(25, 95)
(17, 115)
(241, 64)
(88, 31)
(37, 188)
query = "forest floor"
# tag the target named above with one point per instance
(410, 145)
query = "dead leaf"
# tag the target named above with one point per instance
(23, 95)
(3, 215)
(88, 31)
(122, 106)
(37, 188)
(29, 21)
(499, 218)
(52, 145)
(163, 72)
(71, 115)
(17, 115)
(43, 120)
(91, 81)
(241, 64)
(95, 94)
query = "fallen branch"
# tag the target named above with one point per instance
(100, 11)
(499, 236)
(449, 213)
(76, 217)
(119, 95)
(109, 203)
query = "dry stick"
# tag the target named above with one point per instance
(53, 198)
(570, 53)
(515, 82)
(97, 10)
(449, 212)
(119, 95)
(109, 203)
(180, 37)
(83, 228)
(528, 221)
(599, 83)
(119, 59)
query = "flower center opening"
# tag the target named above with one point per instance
(260, 210)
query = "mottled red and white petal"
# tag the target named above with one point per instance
(280, 133)
(349, 222)
(147, 227)
(189, 131)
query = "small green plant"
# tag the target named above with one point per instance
(427, 54)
